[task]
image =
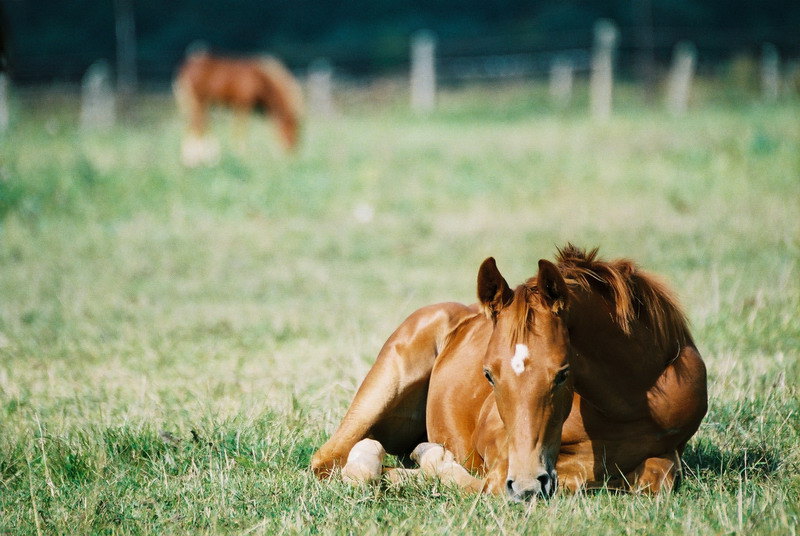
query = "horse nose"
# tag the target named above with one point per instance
(510, 486)
(518, 495)
(543, 488)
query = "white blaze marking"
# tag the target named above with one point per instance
(518, 361)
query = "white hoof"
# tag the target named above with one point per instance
(430, 455)
(364, 463)
(200, 151)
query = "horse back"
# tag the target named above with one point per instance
(238, 82)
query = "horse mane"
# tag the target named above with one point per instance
(520, 312)
(636, 294)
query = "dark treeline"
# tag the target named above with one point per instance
(54, 40)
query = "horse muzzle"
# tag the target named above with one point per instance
(541, 487)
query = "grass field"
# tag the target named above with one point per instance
(174, 344)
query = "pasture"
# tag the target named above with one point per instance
(175, 344)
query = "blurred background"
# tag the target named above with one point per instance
(54, 41)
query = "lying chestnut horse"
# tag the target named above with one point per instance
(584, 376)
(245, 85)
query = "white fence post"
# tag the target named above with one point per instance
(97, 98)
(4, 114)
(320, 88)
(791, 78)
(126, 48)
(770, 72)
(423, 72)
(681, 73)
(602, 82)
(561, 77)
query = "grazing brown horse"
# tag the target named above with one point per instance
(584, 376)
(245, 85)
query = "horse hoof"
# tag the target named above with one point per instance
(428, 452)
(322, 469)
(364, 463)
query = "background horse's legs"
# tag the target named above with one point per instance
(191, 107)
(241, 117)
(390, 403)
(198, 122)
(196, 148)
(289, 128)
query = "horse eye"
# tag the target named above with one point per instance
(561, 376)
(488, 376)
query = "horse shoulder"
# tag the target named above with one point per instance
(434, 324)
(679, 399)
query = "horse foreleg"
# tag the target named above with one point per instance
(241, 117)
(436, 461)
(390, 403)
(196, 148)
(198, 120)
(194, 110)
(656, 475)
(364, 463)
(289, 128)
(491, 445)
(199, 149)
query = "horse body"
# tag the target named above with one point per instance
(245, 85)
(595, 380)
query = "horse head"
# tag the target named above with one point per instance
(527, 364)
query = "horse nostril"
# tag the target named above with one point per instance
(517, 495)
(546, 484)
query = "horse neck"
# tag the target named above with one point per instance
(613, 370)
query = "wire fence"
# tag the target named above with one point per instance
(520, 55)
(428, 63)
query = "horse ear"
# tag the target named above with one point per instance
(552, 287)
(493, 291)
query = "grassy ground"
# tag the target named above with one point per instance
(175, 344)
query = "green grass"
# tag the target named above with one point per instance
(174, 344)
